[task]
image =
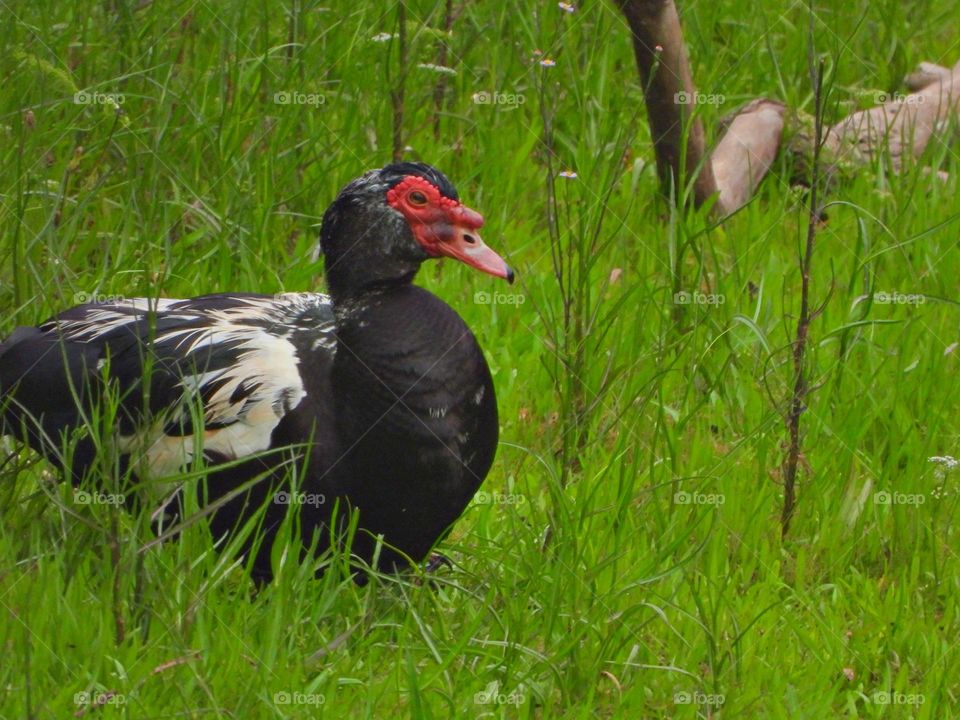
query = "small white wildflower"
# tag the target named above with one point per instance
(566, 7)
(547, 62)
(945, 464)
(382, 37)
(568, 174)
(948, 462)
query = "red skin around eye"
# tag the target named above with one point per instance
(433, 223)
(445, 227)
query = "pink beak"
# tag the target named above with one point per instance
(457, 237)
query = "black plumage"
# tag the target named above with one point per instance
(378, 393)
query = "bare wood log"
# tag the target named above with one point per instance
(747, 150)
(925, 74)
(669, 94)
(902, 127)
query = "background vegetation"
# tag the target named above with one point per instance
(624, 558)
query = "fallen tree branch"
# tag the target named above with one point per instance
(900, 128)
(745, 153)
(925, 74)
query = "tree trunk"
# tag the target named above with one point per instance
(670, 96)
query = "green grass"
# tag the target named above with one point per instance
(595, 592)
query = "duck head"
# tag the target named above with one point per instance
(386, 223)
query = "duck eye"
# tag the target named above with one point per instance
(417, 198)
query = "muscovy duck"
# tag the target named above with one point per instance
(377, 394)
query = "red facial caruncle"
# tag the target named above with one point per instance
(443, 226)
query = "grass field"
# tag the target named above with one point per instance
(624, 558)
